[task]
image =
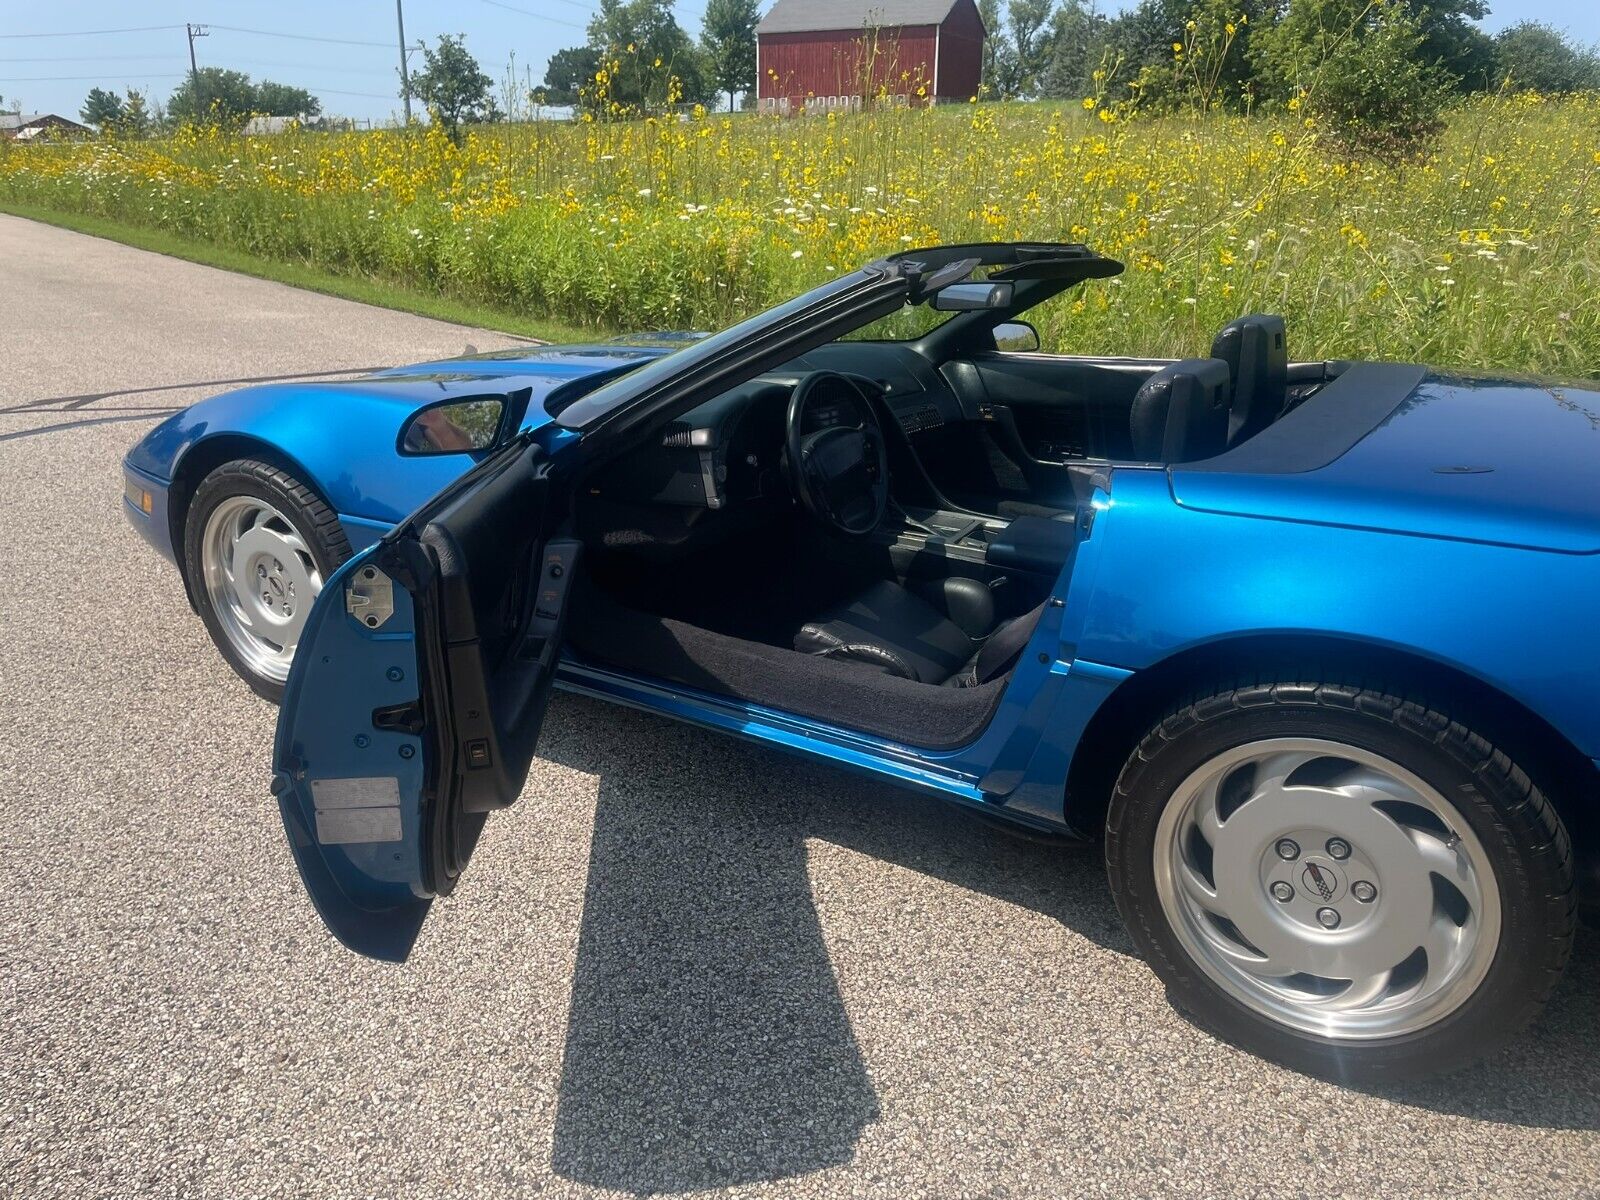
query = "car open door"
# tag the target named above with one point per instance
(416, 697)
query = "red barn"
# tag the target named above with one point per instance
(823, 55)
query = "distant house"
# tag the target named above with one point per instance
(23, 127)
(825, 55)
(257, 126)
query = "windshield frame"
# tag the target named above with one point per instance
(658, 375)
(829, 311)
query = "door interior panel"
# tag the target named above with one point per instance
(1028, 417)
(1066, 407)
(970, 468)
(497, 629)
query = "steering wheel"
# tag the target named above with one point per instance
(837, 454)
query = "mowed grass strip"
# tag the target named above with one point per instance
(1483, 255)
(384, 293)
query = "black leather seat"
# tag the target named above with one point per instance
(943, 633)
(1256, 350)
(1180, 414)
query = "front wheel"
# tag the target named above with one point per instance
(258, 545)
(1341, 879)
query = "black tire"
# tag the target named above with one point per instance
(1521, 834)
(317, 524)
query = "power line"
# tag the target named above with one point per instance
(581, 7)
(294, 66)
(10, 79)
(300, 37)
(254, 62)
(89, 58)
(322, 91)
(577, 4)
(91, 32)
(310, 87)
(536, 16)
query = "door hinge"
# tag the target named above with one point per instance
(369, 596)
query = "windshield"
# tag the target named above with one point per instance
(590, 408)
(859, 306)
(907, 325)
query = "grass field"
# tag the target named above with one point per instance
(1486, 254)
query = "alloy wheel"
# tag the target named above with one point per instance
(1327, 888)
(261, 580)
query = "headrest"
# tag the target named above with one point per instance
(1257, 353)
(1180, 414)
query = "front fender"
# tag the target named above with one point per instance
(341, 440)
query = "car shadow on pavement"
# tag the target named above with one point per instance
(707, 1043)
(1544, 1079)
(84, 399)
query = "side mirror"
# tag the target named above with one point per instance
(454, 426)
(969, 297)
(1016, 336)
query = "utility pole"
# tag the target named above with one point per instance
(195, 31)
(405, 78)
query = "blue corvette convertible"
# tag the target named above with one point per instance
(1310, 645)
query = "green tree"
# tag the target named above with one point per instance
(227, 97)
(999, 55)
(728, 43)
(1204, 60)
(1452, 41)
(650, 61)
(136, 117)
(453, 86)
(1358, 68)
(1142, 37)
(230, 98)
(1449, 40)
(1078, 43)
(281, 100)
(570, 71)
(102, 109)
(1020, 46)
(1535, 56)
(1031, 42)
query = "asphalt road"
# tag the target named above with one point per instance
(679, 963)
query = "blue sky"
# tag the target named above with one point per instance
(52, 74)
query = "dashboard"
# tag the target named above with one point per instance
(730, 449)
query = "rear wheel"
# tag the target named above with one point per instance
(258, 545)
(1342, 879)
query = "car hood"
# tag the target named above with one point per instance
(1475, 459)
(543, 361)
(379, 402)
(548, 370)
(365, 414)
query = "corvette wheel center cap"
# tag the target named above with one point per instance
(277, 592)
(1317, 882)
(271, 580)
(1322, 881)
